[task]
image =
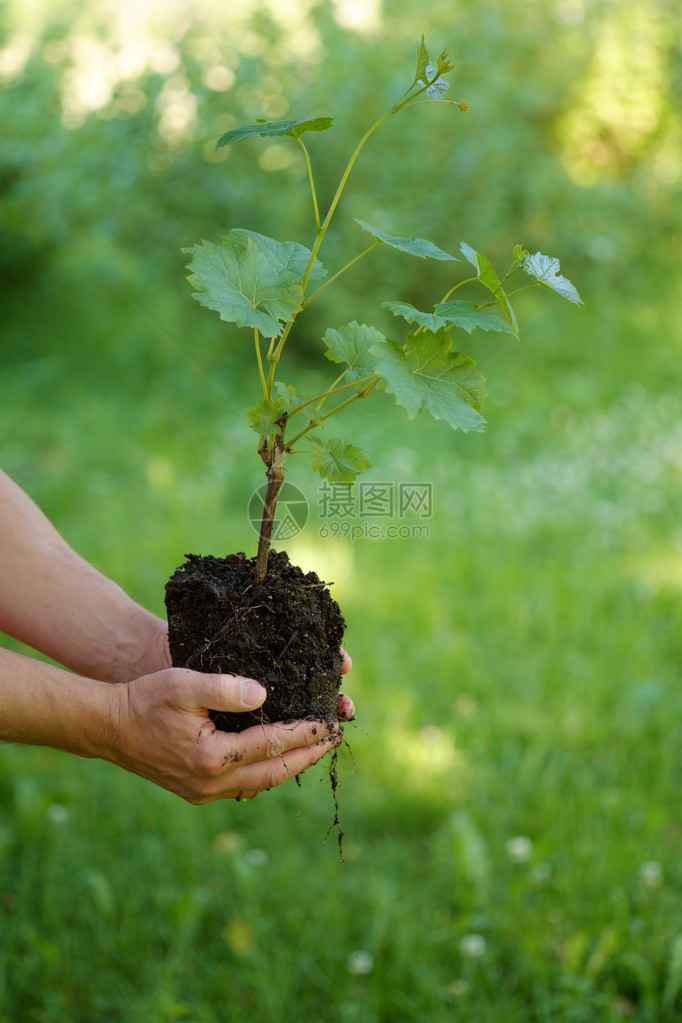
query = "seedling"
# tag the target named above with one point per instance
(265, 285)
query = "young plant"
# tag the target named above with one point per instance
(265, 285)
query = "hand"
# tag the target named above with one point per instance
(157, 656)
(160, 729)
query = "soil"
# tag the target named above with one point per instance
(286, 632)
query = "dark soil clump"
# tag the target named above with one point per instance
(285, 632)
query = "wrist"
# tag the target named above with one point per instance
(139, 647)
(43, 705)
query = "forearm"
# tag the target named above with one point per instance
(53, 600)
(42, 705)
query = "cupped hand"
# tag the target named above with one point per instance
(160, 729)
(158, 656)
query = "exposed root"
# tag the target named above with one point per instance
(334, 779)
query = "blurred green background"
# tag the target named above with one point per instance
(512, 805)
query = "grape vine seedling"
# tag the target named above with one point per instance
(265, 286)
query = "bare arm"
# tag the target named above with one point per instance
(54, 601)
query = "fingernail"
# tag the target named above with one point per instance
(253, 694)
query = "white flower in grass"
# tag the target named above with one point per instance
(360, 963)
(651, 874)
(459, 988)
(257, 857)
(519, 849)
(542, 873)
(472, 946)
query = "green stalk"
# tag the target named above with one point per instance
(339, 192)
(322, 229)
(330, 391)
(312, 183)
(461, 284)
(341, 271)
(344, 404)
(259, 359)
(529, 287)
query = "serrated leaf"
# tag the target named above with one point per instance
(251, 280)
(545, 270)
(449, 314)
(263, 417)
(519, 254)
(414, 246)
(423, 60)
(351, 344)
(431, 376)
(292, 399)
(488, 276)
(274, 128)
(289, 396)
(413, 315)
(337, 461)
(444, 64)
(466, 316)
(431, 75)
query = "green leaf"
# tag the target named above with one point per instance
(263, 418)
(423, 60)
(337, 461)
(449, 314)
(437, 86)
(289, 396)
(251, 280)
(467, 316)
(351, 344)
(413, 315)
(291, 399)
(488, 277)
(519, 255)
(545, 270)
(431, 376)
(274, 128)
(415, 246)
(444, 64)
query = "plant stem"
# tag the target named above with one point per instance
(323, 227)
(275, 475)
(256, 338)
(344, 404)
(332, 390)
(339, 192)
(273, 357)
(528, 287)
(341, 271)
(312, 183)
(461, 284)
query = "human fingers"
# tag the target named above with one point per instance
(347, 662)
(345, 708)
(269, 741)
(247, 780)
(198, 693)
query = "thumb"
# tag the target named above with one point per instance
(226, 692)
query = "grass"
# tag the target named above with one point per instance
(516, 677)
